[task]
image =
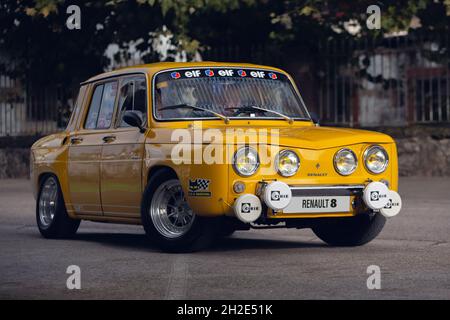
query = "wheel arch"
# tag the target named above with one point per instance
(40, 179)
(43, 175)
(172, 172)
(64, 193)
(157, 168)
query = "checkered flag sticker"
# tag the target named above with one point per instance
(198, 184)
(203, 184)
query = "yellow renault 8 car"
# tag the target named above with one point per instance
(193, 151)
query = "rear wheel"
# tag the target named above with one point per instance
(51, 215)
(167, 218)
(353, 231)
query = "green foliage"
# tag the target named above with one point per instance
(34, 37)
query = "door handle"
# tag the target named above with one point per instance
(107, 139)
(76, 140)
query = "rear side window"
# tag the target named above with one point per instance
(77, 108)
(132, 96)
(101, 108)
(91, 120)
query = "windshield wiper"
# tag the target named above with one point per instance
(249, 108)
(184, 105)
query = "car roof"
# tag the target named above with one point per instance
(152, 68)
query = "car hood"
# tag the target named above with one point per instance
(296, 136)
(304, 137)
(328, 137)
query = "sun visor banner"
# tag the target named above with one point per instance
(221, 73)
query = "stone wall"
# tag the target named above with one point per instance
(424, 156)
(14, 163)
(15, 156)
(422, 151)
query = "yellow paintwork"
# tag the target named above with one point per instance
(105, 182)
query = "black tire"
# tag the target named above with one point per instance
(198, 237)
(61, 226)
(226, 226)
(225, 231)
(353, 231)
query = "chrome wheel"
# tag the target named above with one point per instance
(47, 202)
(169, 210)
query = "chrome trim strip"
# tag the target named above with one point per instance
(328, 187)
(322, 191)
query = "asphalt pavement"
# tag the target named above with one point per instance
(117, 262)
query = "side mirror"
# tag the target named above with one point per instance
(132, 118)
(315, 118)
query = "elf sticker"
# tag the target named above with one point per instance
(242, 73)
(209, 73)
(175, 75)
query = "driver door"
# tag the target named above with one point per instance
(122, 153)
(85, 150)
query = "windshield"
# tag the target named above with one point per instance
(231, 92)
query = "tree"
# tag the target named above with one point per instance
(36, 44)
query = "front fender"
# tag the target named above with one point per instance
(204, 185)
(49, 156)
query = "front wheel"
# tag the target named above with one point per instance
(51, 215)
(353, 231)
(167, 218)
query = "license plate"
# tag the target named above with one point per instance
(310, 204)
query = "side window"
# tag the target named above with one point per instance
(76, 109)
(91, 120)
(107, 106)
(133, 96)
(101, 108)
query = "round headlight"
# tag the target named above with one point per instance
(345, 162)
(246, 161)
(287, 163)
(376, 159)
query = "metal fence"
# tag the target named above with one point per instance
(389, 81)
(31, 110)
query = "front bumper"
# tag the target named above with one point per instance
(276, 200)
